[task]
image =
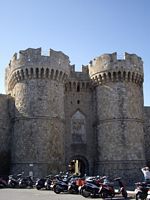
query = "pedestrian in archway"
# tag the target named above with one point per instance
(146, 173)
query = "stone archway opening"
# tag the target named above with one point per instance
(78, 166)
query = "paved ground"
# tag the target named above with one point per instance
(33, 194)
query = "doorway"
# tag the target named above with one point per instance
(78, 166)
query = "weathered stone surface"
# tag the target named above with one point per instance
(96, 116)
(6, 114)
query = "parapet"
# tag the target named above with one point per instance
(32, 56)
(30, 63)
(108, 67)
(107, 62)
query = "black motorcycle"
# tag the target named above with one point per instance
(40, 183)
(13, 180)
(44, 183)
(49, 182)
(65, 184)
(141, 190)
(73, 188)
(26, 182)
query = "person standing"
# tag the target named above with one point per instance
(146, 173)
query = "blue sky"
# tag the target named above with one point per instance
(82, 29)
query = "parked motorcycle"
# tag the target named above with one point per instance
(107, 189)
(73, 188)
(40, 183)
(141, 190)
(65, 184)
(49, 182)
(13, 181)
(44, 183)
(26, 182)
(91, 187)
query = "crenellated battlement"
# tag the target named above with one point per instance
(30, 55)
(108, 68)
(30, 63)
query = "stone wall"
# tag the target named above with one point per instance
(6, 117)
(37, 84)
(80, 118)
(147, 133)
(119, 95)
(38, 136)
(120, 130)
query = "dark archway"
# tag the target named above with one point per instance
(78, 165)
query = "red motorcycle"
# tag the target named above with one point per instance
(107, 189)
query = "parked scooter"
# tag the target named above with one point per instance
(91, 187)
(13, 181)
(44, 183)
(48, 183)
(40, 183)
(73, 188)
(107, 189)
(65, 184)
(26, 182)
(141, 190)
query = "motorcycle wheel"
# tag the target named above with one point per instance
(56, 190)
(2, 185)
(23, 185)
(140, 196)
(104, 194)
(95, 195)
(72, 191)
(11, 185)
(30, 185)
(85, 193)
(48, 187)
(38, 187)
(124, 194)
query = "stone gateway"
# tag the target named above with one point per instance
(53, 118)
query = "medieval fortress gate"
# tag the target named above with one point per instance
(52, 115)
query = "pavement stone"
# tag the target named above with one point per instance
(33, 194)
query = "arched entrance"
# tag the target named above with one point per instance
(78, 165)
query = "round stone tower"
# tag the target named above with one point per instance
(118, 85)
(37, 84)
